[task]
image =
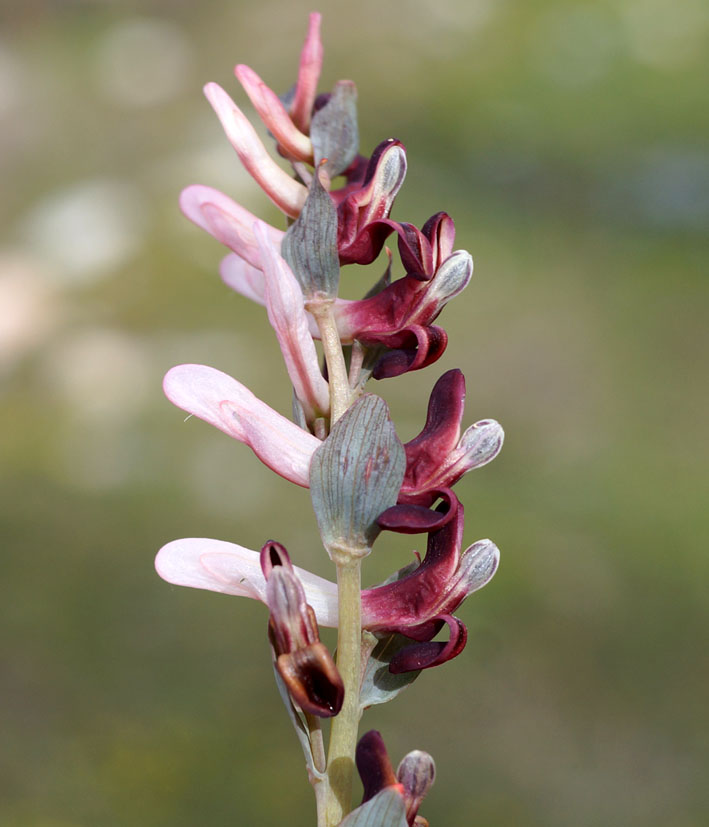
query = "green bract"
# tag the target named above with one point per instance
(355, 475)
(310, 245)
(333, 130)
(386, 809)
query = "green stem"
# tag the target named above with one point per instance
(340, 394)
(343, 733)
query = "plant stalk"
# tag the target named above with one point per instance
(343, 733)
(340, 393)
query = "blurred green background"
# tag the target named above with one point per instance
(569, 142)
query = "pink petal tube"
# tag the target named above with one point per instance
(243, 278)
(308, 75)
(274, 116)
(225, 403)
(284, 302)
(227, 221)
(231, 569)
(285, 192)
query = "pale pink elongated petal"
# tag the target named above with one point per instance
(284, 302)
(242, 277)
(285, 192)
(225, 403)
(308, 75)
(226, 220)
(249, 281)
(232, 569)
(274, 115)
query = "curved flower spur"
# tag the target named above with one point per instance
(341, 442)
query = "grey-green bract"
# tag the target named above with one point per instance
(355, 475)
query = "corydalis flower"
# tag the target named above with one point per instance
(400, 317)
(436, 458)
(417, 605)
(303, 662)
(413, 779)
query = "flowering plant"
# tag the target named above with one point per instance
(341, 442)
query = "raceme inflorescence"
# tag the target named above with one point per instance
(340, 442)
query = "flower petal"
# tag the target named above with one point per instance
(285, 192)
(284, 302)
(274, 115)
(417, 772)
(226, 220)
(308, 75)
(480, 444)
(414, 518)
(243, 277)
(415, 347)
(363, 213)
(431, 653)
(429, 450)
(213, 565)
(232, 569)
(373, 765)
(412, 601)
(228, 405)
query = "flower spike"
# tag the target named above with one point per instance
(341, 442)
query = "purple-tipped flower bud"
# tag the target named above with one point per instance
(304, 663)
(412, 780)
(416, 772)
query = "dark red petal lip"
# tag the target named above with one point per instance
(431, 653)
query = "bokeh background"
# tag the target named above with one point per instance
(569, 142)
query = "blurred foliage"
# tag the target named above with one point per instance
(569, 142)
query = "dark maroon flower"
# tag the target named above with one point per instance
(304, 663)
(400, 317)
(420, 603)
(374, 766)
(439, 456)
(412, 780)
(423, 251)
(364, 207)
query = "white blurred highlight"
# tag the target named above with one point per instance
(88, 230)
(29, 307)
(102, 376)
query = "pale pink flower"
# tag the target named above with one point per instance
(306, 87)
(285, 192)
(284, 302)
(227, 221)
(435, 459)
(417, 605)
(292, 142)
(225, 403)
